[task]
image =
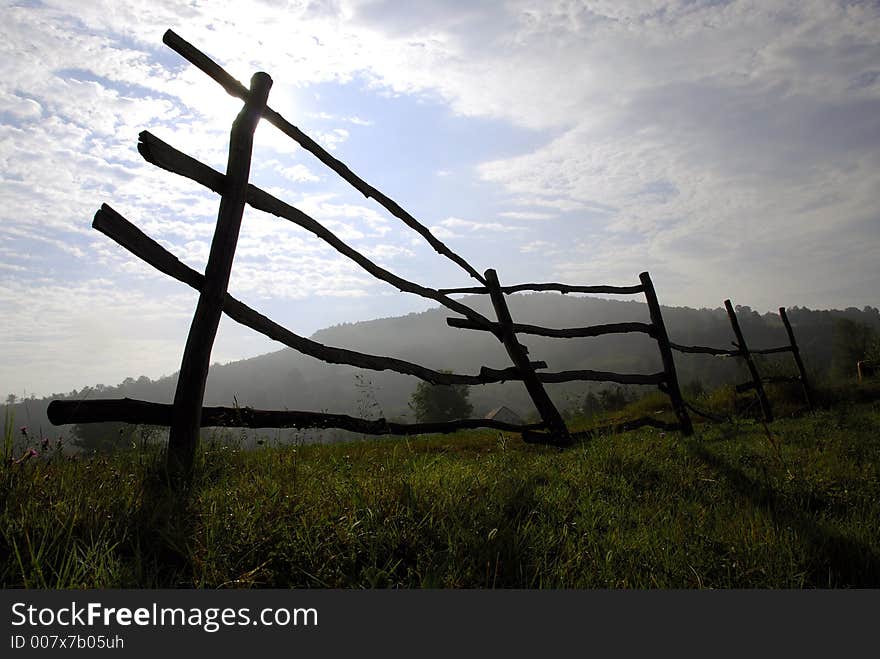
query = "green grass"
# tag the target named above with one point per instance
(735, 506)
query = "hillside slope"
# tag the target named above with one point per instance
(288, 380)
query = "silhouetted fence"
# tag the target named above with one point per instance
(757, 381)
(742, 351)
(187, 415)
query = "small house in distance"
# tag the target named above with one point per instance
(505, 415)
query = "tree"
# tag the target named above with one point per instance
(101, 437)
(591, 405)
(440, 402)
(851, 342)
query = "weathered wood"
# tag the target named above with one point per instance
(163, 155)
(720, 352)
(127, 410)
(671, 385)
(519, 356)
(766, 410)
(117, 228)
(603, 376)
(561, 288)
(568, 333)
(184, 434)
(120, 230)
(771, 351)
(796, 353)
(234, 88)
(575, 376)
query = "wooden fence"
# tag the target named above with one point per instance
(756, 382)
(187, 415)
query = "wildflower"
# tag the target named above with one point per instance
(44, 445)
(24, 430)
(32, 452)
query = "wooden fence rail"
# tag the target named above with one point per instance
(161, 414)
(757, 382)
(742, 350)
(666, 380)
(187, 414)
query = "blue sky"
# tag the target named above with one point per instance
(730, 148)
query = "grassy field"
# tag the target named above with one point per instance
(738, 505)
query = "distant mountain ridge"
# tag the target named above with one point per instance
(286, 379)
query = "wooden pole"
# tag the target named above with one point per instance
(672, 388)
(796, 353)
(753, 370)
(184, 434)
(519, 356)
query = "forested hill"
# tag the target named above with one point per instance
(831, 341)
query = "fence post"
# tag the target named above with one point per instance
(519, 356)
(186, 420)
(796, 353)
(744, 352)
(662, 338)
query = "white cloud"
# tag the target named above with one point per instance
(328, 116)
(298, 174)
(537, 246)
(454, 223)
(440, 232)
(717, 144)
(331, 139)
(527, 215)
(383, 252)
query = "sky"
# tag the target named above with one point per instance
(729, 148)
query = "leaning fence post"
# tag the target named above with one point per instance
(753, 370)
(672, 388)
(518, 355)
(796, 353)
(189, 395)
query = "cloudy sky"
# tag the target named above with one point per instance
(730, 148)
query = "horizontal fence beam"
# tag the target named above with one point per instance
(770, 351)
(561, 288)
(127, 410)
(721, 352)
(123, 232)
(509, 373)
(234, 88)
(603, 376)
(163, 155)
(569, 333)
